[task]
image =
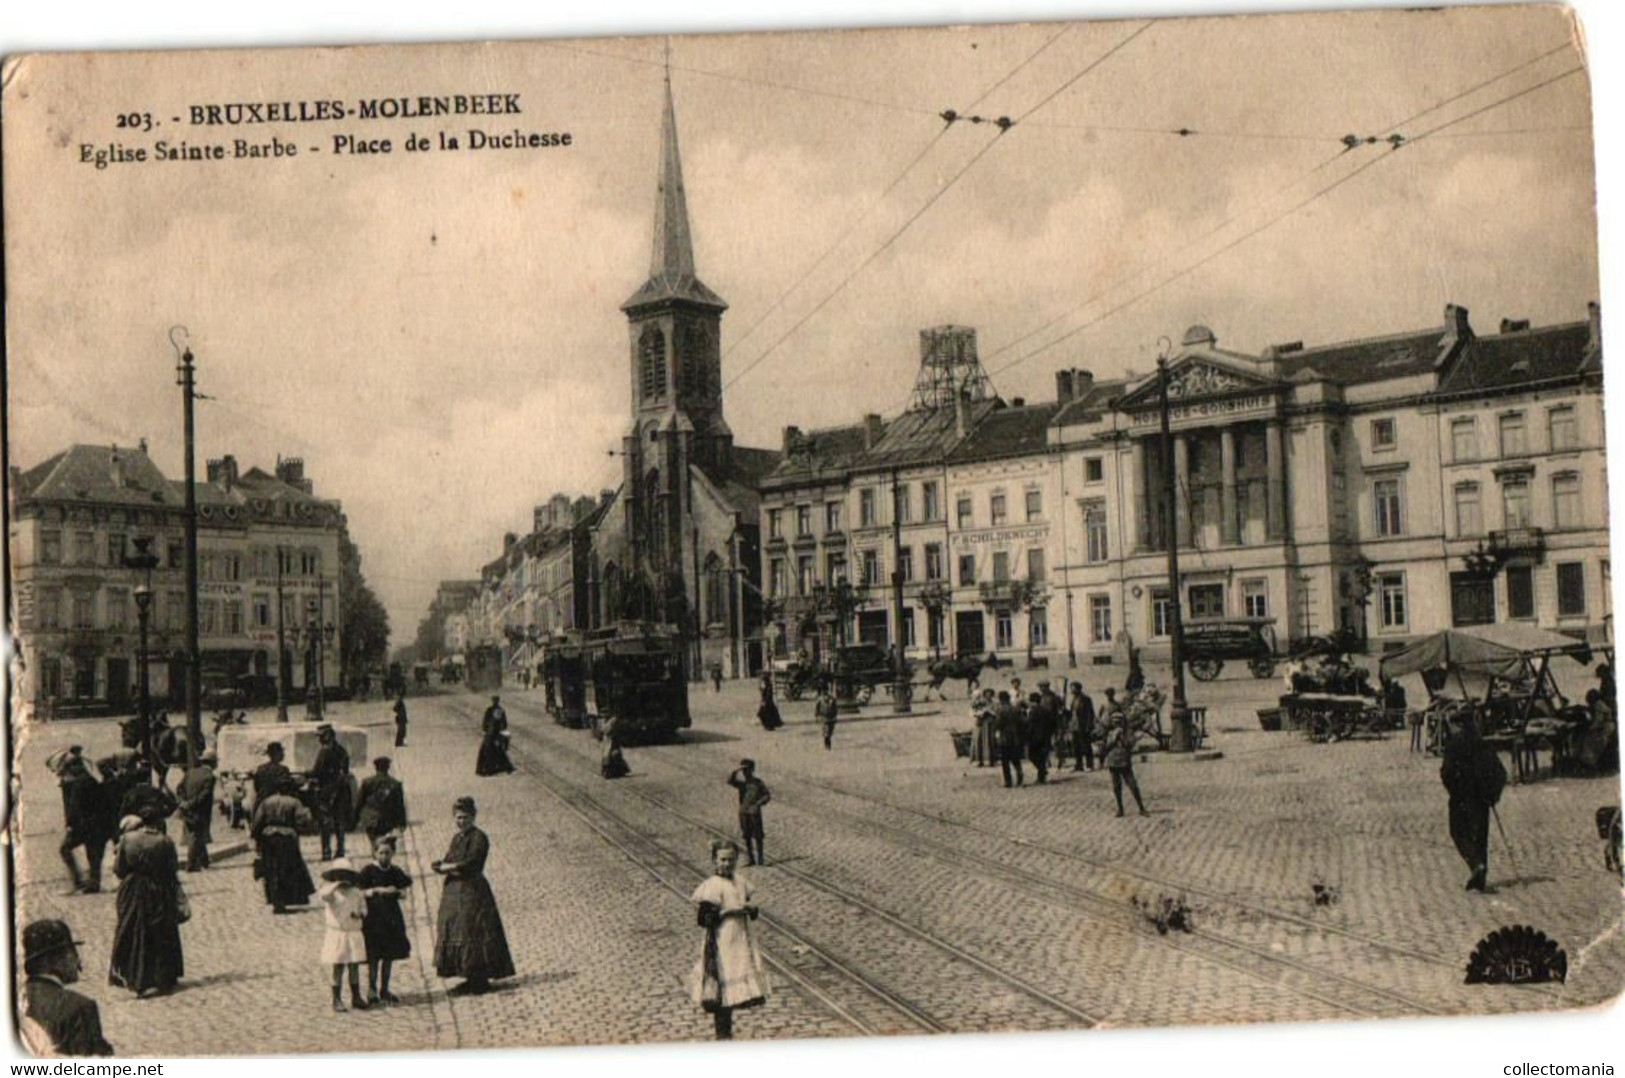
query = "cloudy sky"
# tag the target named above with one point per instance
(439, 335)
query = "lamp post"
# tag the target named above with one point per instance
(185, 377)
(144, 560)
(1179, 716)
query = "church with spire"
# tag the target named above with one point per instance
(681, 542)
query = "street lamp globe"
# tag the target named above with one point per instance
(143, 599)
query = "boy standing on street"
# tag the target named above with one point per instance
(753, 794)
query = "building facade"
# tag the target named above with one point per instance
(77, 516)
(1387, 488)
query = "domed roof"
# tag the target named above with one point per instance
(1198, 334)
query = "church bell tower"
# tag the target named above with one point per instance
(674, 325)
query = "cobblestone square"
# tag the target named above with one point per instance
(906, 891)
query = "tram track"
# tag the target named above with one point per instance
(1244, 958)
(1359, 999)
(1346, 994)
(819, 971)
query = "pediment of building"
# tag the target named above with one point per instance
(1194, 379)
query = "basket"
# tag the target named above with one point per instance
(962, 742)
(1269, 718)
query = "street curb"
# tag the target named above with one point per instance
(223, 850)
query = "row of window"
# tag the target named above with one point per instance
(930, 497)
(1004, 629)
(172, 555)
(215, 616)
(1388, 504)
(871, 574)
(1512, 434)
(1472, 596)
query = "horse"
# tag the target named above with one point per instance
(966, 668)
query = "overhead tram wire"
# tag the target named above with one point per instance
(1002, 126)
(1321, 192)
(847, 232)
(1274, 193)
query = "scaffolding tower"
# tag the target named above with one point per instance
(949, 369)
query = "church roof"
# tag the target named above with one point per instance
(671, 261)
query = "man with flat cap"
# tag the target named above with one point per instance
(331, 773)
(57, 1020)
(381, 804)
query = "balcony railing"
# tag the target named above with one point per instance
(1518, 542)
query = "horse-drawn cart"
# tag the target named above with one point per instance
(1207, 644)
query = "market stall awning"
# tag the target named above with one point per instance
(1500, 650)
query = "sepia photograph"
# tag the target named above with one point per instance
(1055, 526)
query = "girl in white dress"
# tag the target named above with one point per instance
(729, 974)
(344, 910)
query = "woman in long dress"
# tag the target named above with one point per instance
(493, 756)
(729, 974)
(612, 762)
(147, 955)
(470, 942)
(768, 712)
(278, 821)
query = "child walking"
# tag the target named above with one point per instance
(384, 884)
(345, 910)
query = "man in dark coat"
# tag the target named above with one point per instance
(81, 821)
(1010, 729)
(331, 774)
(1081, 712)
(381, 804)
(400, 719)
(56, 1019)
(1042, 721)
(1474, 777)
(270, 776)
(196, 796)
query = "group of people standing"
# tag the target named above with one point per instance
(1013, 730)
(125, 809)
(364, 924)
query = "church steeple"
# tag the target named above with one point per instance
(671, 261)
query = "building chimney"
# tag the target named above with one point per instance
(1082, 382)
(291, 470)
(143, 445)
(961, 415)
(873, 428)
(1594, 314)
(223, 470)
(1018, 402)
(606, 495)
(1514, 325)
(1063, 387)
(508, 541)
(1456, 327)
(792, 440)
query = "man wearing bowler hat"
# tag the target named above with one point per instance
(56, 1019)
